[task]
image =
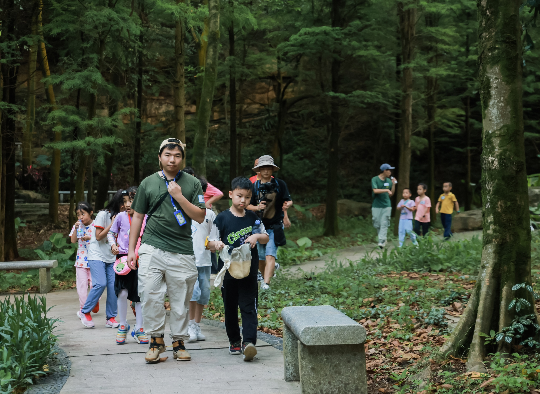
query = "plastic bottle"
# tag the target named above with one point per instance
(80, 230)
(256, 228)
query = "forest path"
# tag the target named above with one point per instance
(355, 253)
(99, 365)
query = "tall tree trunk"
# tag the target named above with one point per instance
(204, 111)
(71, 215)
(407, 20)
(138, 124)
(105, 177)
(10, 235)
(232, 121)
(8, 143)
(506, 252)
(468, 196)
(90, 180)
(331, 216)
(54, 185)
(31, 101)
(179, 83)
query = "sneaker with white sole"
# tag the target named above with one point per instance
(277, 266)
(192, 331)
(249, 350)
(112, 323)
(265, 286)
(121, 334)
(86, 319)
(259, 277)
(200, 336)
(140, 336)
(382, 244)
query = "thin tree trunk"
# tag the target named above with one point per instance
(71, 217)
(506, 252)
(8, 144)
(90, 180)
(2, 166)
(31, 101)
(407, 20)
(468, 196)
(179, 83)
(204, 111)
(138, 124)
(54, 186)
(331, 227)
(232, 93)
(10, 235)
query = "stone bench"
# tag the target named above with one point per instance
(324, 350)
(44, 266)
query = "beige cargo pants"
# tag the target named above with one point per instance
(161, 273)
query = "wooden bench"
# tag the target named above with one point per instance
(44, 266)
(323, 349)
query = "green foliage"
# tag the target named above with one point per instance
(26, 341)
(432, 255)
(517, 374)
(56, 248)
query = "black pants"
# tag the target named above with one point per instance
(240, 293)
(421, 226)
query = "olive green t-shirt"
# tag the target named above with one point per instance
(162, 231)
(381, 200)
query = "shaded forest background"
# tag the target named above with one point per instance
(90, 89)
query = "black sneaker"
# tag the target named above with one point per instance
(249, 350)
(259, 276)
(235, 348)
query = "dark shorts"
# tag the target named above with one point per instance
(128, 282)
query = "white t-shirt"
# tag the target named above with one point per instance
(199, 232)
(101, 250)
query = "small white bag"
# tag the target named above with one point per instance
(238, 263)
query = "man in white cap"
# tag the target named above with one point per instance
(383, 188)
(171, 199)
(270, 199)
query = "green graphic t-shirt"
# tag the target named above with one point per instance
(381, 200)
(162, 230)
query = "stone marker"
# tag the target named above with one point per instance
(44, 266)
(324, 349)
(467, 221)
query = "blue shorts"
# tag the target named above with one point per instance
(201, 291)
(269, 249)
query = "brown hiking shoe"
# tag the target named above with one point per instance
(179, 351)
(157, 346)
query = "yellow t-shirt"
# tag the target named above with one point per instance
(447, 203)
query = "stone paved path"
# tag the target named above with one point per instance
(356, 253)
(99, 365)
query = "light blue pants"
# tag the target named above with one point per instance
(102, 278)
(406, 228)
(201, 290)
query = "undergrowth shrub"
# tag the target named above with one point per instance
(26, 341)
(431, 255)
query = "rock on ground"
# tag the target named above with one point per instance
(467, 221)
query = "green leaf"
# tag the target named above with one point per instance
(304, 242)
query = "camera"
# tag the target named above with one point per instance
(264, 190)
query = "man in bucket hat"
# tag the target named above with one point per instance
(383, 187)
(171, 199)
(270, 199)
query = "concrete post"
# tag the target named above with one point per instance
(45, 283)
(332, 369)
(290, 354)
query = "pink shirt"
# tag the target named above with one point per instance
(422, 209)
(210, 192)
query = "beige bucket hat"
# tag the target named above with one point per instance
(264, 161)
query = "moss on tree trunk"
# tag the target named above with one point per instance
(506, 253)
(204, 110)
